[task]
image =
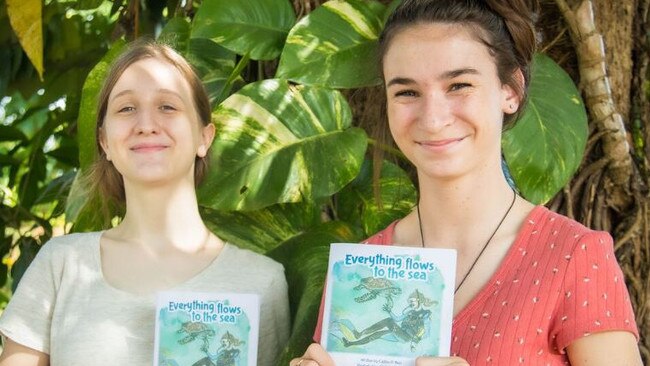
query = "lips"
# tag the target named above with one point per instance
(148, 147)
(440, 144)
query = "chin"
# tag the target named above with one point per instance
(445, 172)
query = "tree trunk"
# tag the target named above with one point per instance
(610, 191)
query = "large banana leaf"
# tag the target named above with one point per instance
(262, 230)
(255, 28)
(545, 147)
(278, 142)
(213, 63)
(305, 261)
(335, 45)
(357, 203)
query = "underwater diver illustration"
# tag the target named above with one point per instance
(410, 326)
(228, 354)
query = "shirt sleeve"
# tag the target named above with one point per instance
(319, 322)
(28, 316)
(594, 297)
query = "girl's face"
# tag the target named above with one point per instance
(151, 131)
(445, 101)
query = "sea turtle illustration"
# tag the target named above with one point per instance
(195, 330)
(376, 287)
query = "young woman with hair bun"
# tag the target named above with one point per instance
(533, 287)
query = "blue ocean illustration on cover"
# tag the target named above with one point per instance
(203, 333)
(388, 308)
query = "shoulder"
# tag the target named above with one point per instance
(72, 240)
(562, 229)
(384, 237)
(70, 245)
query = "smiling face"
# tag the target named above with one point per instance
(445, 102)
(151, 131)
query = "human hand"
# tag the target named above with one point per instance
(440, 361)
(314, 356)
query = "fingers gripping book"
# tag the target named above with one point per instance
(206, 329)
(387, 305)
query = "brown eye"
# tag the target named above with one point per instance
(459, 86)
(126, 110)
(406, 93)
(167, 108)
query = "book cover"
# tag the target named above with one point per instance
(206, 329)
(387, 305)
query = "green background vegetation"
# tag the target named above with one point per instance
(292, 166)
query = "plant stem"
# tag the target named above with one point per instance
(233, 76)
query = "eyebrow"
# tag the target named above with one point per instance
(458, 72)
(161, 90)
(445, 76)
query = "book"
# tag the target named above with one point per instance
(206, 329)
(388, 305)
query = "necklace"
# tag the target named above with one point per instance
(514, 198)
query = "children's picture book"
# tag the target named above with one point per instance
(388, 305)
(206, 329)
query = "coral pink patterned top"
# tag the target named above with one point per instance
(559, 281)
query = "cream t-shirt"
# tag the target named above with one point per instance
(64, 307)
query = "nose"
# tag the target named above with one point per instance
(437, 112)
(147, 122)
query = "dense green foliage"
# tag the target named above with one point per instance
(290, 171)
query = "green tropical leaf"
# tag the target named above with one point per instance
(26, 20)
(10, 133)
(28, 188)
(87, 4)
(88, 105)
(335, 46)
(28, 250)
(270, 146)
(6, 160)
(57, 189)
(545, 147)
(357, 203)
(305, 261)
(262, 230)
(176, 34)
(215, 66)
(255, 28)
(213, 63)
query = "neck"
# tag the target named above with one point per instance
(163, 217)
(460, 213)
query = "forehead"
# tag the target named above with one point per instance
(152, 74)
(427, 47)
